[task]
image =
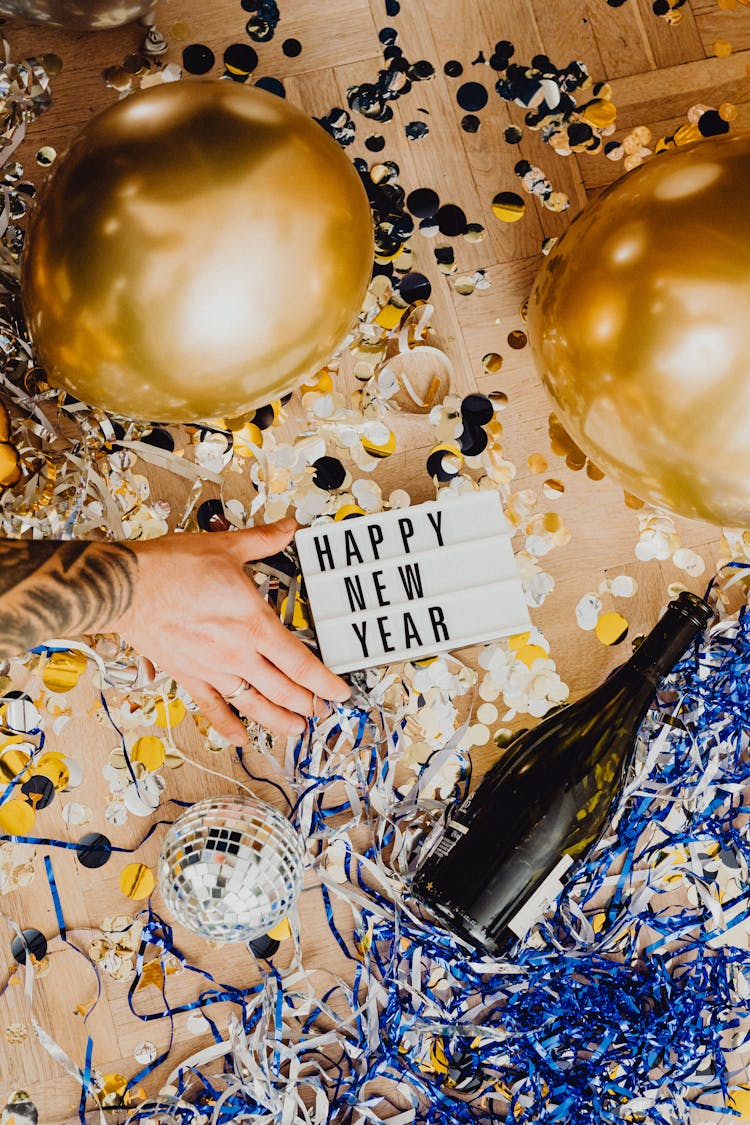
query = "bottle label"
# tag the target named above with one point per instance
(543, 896)
(454, 830)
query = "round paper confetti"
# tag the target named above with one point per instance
(291, 48)
(16, 817)
(472, 96)
(517, 339)
(170, 715)
(453, 68)
(611, 628)
(31, 941)
(137, 881)
(150, 751)
(508, 207)
(94, 849)
(198, 58)
(63, 670)
(53, 766)
(492, 362)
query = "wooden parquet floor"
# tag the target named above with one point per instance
(657, 72)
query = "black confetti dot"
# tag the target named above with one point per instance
(513, 135)
(272, 85)
(291, 48)
(421, 70)
(375, 143)
(330, 474)
(94, 849)
(160, 439)
(211, 517)
(240, 59)
(198, 58)
(415, 287)
(423, 202)
(40, 792)
(471, 97)
(392, 8)
(264, 946)
(710, 124)
(660, 7)
(453, 68)
(388, 35)
(392, 52)
(473, 441)
(451, 220)
(470, 123)
(416, 130)
(263, 417)
(477, 410)
(436, 467)
(32, 941)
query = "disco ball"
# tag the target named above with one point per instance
(231, 868)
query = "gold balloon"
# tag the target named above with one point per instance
(640, 324)
(199, 250)
(78, 15)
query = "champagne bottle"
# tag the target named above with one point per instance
(501, 860)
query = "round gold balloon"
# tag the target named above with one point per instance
(199, 250)
(640, 325)
(78, 15)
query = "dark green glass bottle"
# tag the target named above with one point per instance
(503, 856)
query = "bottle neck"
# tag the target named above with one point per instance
(658, 653)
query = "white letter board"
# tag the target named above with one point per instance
(412, 582)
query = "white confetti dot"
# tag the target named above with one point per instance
(487, 714)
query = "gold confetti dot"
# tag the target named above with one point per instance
(523, 309)
(348, 511)
(576, 460)
(281, 931)
(499, 399)
(740, 1100)
(389, 317)
(611, 628)
(727, 111)
(52, 64)
(137, 881)
(492, 362)
(10, 465)
(517, 339)
(552, 488)
(63, 671)
(301, 614)
(593, 472)
(384, 449)
(537, 462)
(13, 762)
(171, 714)
(149, 750)
(633, 502)
(600, 113)
(53, 766)
(508, 207)
(527, 654)
(16, 817)
(552, 522)
(722, 48)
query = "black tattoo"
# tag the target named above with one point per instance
(52, 589)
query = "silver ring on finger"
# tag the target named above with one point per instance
(243, 687)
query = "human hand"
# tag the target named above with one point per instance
(197, 615)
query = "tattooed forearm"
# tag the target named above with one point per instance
(52, 589)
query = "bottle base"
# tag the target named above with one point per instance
(450, 917)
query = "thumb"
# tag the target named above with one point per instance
(258, 542)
